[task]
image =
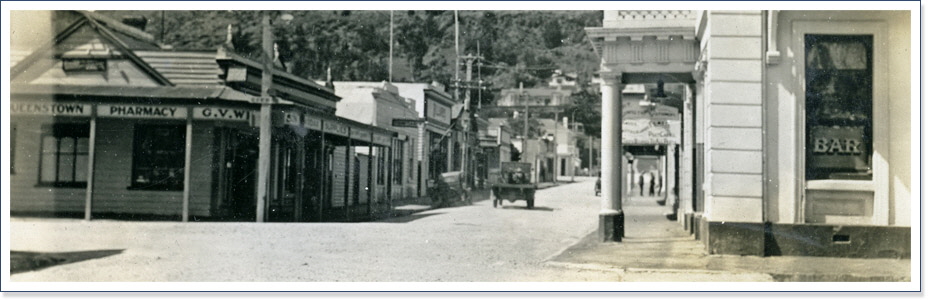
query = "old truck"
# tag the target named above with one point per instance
(515, 184)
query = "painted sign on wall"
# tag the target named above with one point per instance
(651, 132)
(639, 110)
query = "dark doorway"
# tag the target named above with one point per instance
(237, 153)
(286, 174)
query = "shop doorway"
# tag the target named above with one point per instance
(285, 180)
(237, 154)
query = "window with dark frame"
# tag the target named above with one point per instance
(838, 106)
(64, 155)
(158, 157)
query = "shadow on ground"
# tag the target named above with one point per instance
(539, 208)
(406, 219)
(24, 261)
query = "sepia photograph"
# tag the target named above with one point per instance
(461, 146)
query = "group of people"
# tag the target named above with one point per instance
(650, 183)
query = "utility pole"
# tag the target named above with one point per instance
(573, 147)
(466, 146)
(391, 52)
(264, 137)
(526, 120)
(555, 140)
(469, 122)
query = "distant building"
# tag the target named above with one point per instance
(379, 104)
(436, 135)
(496, 144)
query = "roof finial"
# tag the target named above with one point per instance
(229, 37)
(329, 78)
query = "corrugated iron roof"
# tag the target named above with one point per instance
(185, 68)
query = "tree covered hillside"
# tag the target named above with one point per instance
(519, 46)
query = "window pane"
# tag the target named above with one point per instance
(49, 144)
(66, 146)
(839, 106)
(80, 171)
(65, 168)
(83, 145)
(49, 165)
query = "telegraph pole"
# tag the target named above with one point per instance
(264, 137)
(469, 124)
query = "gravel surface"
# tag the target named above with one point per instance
(474, 243)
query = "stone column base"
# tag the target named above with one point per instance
(610, 227)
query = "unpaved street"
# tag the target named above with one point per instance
(469, 243)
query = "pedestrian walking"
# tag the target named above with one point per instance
(642, 180)
(649, 183)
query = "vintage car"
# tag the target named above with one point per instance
(515, 184)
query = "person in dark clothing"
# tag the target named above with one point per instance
(642, 180)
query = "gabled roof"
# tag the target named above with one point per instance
(122, 38)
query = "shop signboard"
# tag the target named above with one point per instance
(290, 118)
(221, 113)
(360, 134)
(408, 123)
(312, 123)
(50, 109)
(142, 111)
(334, 127)
(439, 113)
(383, 140)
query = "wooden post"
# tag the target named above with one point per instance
(264, 138)
(390, 175)
(324, 168)
(91, 153)
(371, 156)
(302, 178)
(188, 141)
(345, 198)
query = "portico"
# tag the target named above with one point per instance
(636, 47)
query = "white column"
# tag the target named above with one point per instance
(91, 155)
(668, 183)
(612, 161)
(188, 147)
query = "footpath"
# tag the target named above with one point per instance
(657, 249)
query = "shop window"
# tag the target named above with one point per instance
(64, 156)
(838, 77)
(158, 157)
